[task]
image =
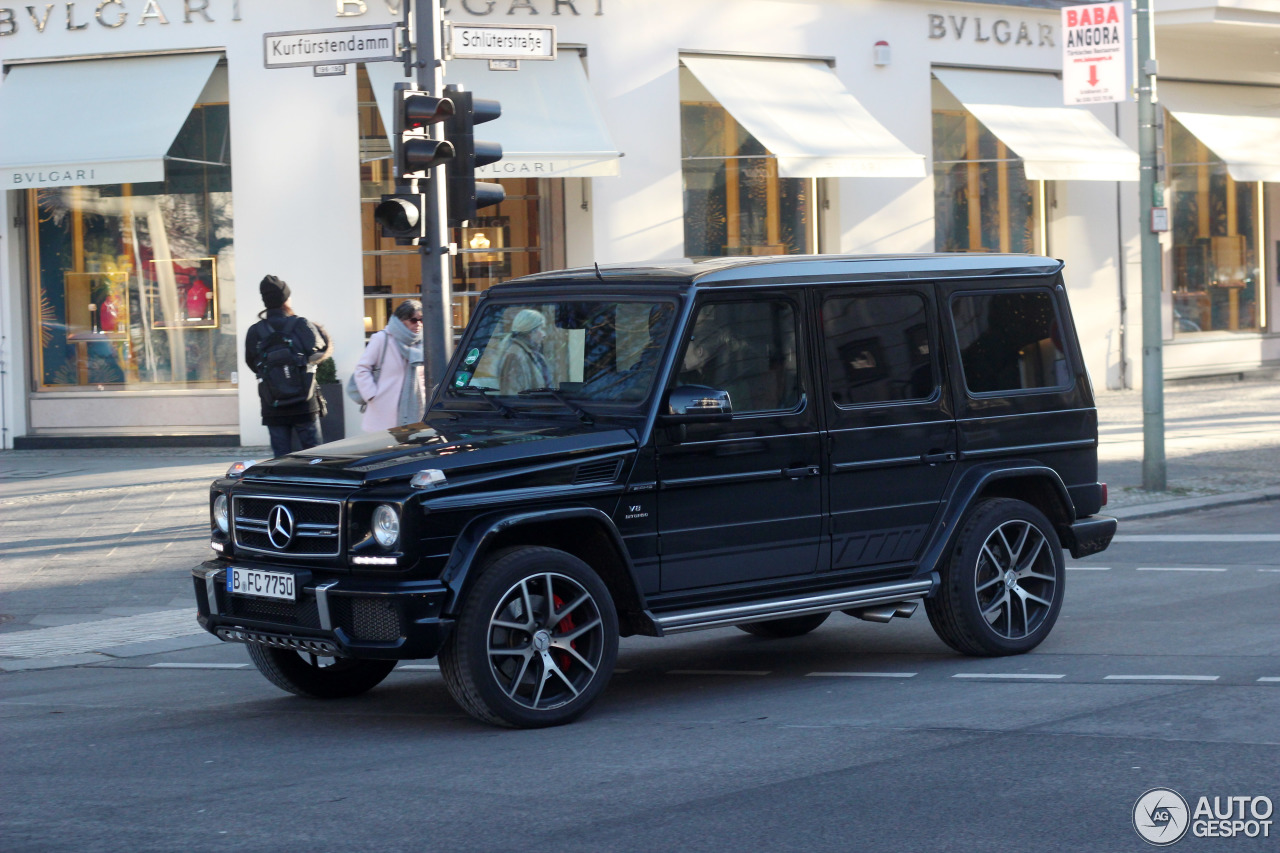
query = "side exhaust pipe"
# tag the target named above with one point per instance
(885, 612)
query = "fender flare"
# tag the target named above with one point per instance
(966, 490)
(477, 537)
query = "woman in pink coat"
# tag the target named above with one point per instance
(389, 373)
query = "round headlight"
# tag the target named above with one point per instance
(220, 513)
(386, 526)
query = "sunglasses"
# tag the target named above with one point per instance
(417, 319)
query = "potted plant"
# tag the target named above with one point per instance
(332, 425)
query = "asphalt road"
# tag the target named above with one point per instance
(1164, 670)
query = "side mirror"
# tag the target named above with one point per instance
(690, 404)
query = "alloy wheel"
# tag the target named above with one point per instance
(545, 641)
(1015, 579)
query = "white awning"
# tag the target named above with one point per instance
(98, 121)
(550, 126)
(801, 112)
(1025, 112)
(1239, 124)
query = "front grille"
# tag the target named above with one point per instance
(300, 614)
(371, 620)
(315, 527)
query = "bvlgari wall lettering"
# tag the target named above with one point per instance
(481, 8)
(23, 179)
(113, 14)
(1001, 31)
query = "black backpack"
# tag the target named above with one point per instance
(283, 377)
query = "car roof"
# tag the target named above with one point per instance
(798, 269)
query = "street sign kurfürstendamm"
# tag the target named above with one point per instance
(330, 47)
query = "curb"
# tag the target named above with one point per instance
(1182, 505)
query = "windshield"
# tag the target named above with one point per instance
(588, 351)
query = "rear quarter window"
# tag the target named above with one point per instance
(1010, 341)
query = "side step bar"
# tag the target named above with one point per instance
(777, 608)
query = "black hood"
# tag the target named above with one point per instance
(448, 446)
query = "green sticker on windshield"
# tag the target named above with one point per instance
(473, 356)
(463, 378)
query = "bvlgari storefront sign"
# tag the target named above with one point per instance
(67, 174)
(988, 30)
(113, 14)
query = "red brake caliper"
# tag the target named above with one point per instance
(564, 626)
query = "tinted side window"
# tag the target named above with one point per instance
(878, 348)
(1009, 341)
(747, 349)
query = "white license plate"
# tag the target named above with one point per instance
(262, 584)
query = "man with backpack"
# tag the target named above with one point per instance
(283, 350)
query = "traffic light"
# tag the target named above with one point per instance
(416, 152)
(402, 215)
(465, 194)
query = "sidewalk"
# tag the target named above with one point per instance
(108, 537)
(1222, 445)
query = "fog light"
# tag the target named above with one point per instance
(386, 526)
(220, 513)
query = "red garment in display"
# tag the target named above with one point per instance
(197, 300)
(109, 314)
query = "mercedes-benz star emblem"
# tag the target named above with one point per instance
(280, 526)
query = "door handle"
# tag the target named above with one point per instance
(801, 472)
(933, 457)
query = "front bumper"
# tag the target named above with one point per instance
(334, 614)
(1089, 535)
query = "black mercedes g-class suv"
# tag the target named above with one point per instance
(660, 448)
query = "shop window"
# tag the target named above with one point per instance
(505, 241)
(1009, 341)
(1217, 275)
(878, 348)
(983, 201)
(734, 201)
(133, 283)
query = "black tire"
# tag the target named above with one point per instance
(535, 643)
(318, 677)
(1003, 586)
(780, 629)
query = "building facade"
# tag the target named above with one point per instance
(156, 162)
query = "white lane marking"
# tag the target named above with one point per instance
(717, 672)
(1197, 537)
(1160, 678)
(100, 634)
(198, 665)
(1176, 569)
(1088, 568)
(861, 675)
(1268, 679)
(419, 667)
(1013, 675)
(1269, 570)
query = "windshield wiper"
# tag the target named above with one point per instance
(484, 393)
(583, 414)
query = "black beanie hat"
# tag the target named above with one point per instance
(274, 291)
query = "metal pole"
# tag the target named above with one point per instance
(1154, 473)
(437, 313)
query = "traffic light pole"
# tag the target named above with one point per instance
(437, 314)
(1154, 473)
